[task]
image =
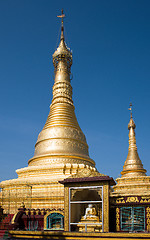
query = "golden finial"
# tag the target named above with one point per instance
(62, 57)
(131, 123)
(62, 23)
(130, 109)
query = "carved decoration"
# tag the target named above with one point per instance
(145, 200)
(120, 200)
(86, 173)
(133, 199)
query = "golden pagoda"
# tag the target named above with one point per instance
(60, 195)
(133, 180)
(60, 151)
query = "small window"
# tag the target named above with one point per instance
(55, 221)
(32, 225)
(132, 219)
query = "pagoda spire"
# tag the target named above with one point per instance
(61, 138)
(133, 165)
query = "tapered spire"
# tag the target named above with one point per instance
(133, 165)
(61, 136)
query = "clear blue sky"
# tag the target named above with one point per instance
(110, 41)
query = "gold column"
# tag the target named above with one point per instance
(66, 209)
(106, 207)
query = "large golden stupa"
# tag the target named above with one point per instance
(60, 151)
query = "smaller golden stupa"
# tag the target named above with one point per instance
(133, 180)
